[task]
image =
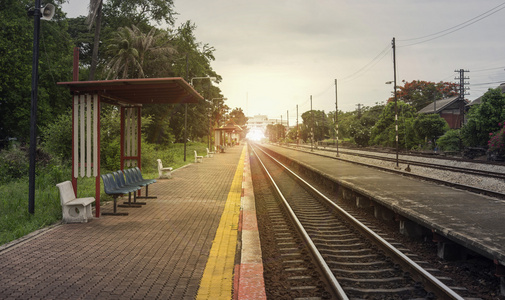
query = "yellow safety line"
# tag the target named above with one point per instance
(217, 279)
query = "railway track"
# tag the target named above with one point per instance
(467, 171)
(354, 260)
(472, 171)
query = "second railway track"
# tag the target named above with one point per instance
(357, 262)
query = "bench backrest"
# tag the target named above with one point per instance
(66, 192)
(160, 165)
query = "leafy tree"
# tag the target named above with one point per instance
(484, 118)
(275, 132)
(420, 93)
(357, 125)
(55, 64)
(292, 135)
(123, 13)
(384, 131)
(192, 59)
(430, 127)
(95, 18)
(315, 121)
(83, 39)
(238, 116)
(114, 14)
(125, 62)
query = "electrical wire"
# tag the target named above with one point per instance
(368, 66)
(454, 28)
(487, 83)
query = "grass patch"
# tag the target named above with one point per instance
(15, 221)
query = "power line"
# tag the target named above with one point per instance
(369, 65)
(490, 69)
(454, 28)
(487, 83)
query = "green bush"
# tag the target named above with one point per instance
(13, 163)
(57, 137)
(450, 141)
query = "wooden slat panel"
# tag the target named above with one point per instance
(128, 133)
(88, 135)
(81, 134)
(76, 136)
(95, 134)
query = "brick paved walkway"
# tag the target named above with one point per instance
(158, 251)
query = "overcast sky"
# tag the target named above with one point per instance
(273, 55)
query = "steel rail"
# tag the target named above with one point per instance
(330, 277)
(471, 171)
(442, 182)
(432, 283)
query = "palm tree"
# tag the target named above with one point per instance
(94, 17)
(124, 55)
(133, 48)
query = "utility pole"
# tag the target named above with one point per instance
(462, 90)
(312, 129)
(336, 113)
(287, 119)
(462, 83)
(359, 110)
(396, 102)
(297, 128)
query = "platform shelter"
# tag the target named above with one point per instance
(129, 95)
(227, 135)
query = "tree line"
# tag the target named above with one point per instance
(375, 125)
(118, 39)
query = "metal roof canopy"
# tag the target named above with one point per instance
(129, 94)
(138, 91)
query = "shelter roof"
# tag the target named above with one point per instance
(139, 91)
(230, 127)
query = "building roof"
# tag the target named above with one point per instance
(439, 105)
(138, 91)
(478, 100)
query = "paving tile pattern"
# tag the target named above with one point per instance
(159, 251)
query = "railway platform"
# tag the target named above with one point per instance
(197, 240)
(454, 216)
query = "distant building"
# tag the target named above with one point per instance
(451, 109)
(478, 100)
(261, 121)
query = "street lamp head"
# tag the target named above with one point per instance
(207, 77)
(389, 82)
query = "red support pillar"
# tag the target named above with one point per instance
(74, 179)
(122, 139)
(97, 179)
(75, 77)
(139, 141)
(139, 138)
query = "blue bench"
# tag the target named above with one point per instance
(134, 177)
(111, 187)
(125, 182)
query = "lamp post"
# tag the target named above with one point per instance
(186, 113)
(44, 13)
(396, 119)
